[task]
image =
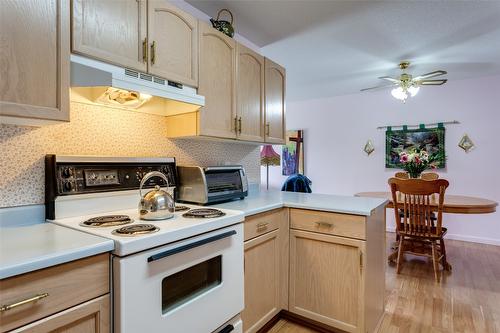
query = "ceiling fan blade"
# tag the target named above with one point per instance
(432, 82)
(379, 87)
(388, 78)
(429, 75)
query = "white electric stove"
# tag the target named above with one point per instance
(166, 272)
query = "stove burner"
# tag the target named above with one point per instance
(107, 221)
(135, 230)
(203, 213)
(181, 208)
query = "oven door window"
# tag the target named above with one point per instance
(185, 285)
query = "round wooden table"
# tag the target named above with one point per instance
(457, 204)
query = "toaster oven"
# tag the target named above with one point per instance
(208, 185)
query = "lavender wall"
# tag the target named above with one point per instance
(337, 128)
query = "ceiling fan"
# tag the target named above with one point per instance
(408, 85)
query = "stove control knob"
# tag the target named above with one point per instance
(68, 187)
(67, 172)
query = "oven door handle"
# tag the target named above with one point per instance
(190, 246)
(227, 329)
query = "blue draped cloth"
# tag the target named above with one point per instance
(297, 183)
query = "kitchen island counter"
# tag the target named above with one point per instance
(27, 243)
(262, 201)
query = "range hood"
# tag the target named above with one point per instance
(96, 82)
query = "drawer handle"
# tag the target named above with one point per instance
(262, 226)
(324, 224)
(26, 301)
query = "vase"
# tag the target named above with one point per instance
(414, 175)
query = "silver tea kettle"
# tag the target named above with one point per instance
(157, 204)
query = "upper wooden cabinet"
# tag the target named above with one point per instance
(173, 36)
(250, 94)
(275, 102)
(217, 82)
(244, 94)
(111, 31)
(150, 36)
(34, 71)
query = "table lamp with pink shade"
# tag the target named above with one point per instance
(269, 157)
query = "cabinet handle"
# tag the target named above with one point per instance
(325, 224)
(360, 260)
(235, 124)
(268, 128)
(153, 52)
(262, 226)
(25, 301)
(145, 50)
(239, 125)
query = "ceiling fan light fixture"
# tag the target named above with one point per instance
(399, 93)
(413, 90)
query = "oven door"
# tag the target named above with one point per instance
(194, 285)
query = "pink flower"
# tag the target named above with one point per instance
(403, 158)
(417, 160)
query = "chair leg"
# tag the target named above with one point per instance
(400, 254)
(446, 265)
(435, 262)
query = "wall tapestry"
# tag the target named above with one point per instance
(293, 153)
(428, 139)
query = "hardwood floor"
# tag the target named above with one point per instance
(285, 326)
(467, 300)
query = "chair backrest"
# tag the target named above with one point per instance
(417, 206)
(429, 176)
(401, 175)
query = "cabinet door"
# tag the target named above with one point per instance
(275, 102)
(250, 94)
(111, 31)
(34, 71)
(327, 279)
(262, 280)
(173, 38)
(217, 82)
(89, 317)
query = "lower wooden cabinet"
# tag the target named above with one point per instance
(324, 267)
(337, 268)
(266, 269)
(90, 317)
(327, 279)
(71, 297)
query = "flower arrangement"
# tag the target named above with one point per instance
(415, 162)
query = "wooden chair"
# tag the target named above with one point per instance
(401, 175)
(415, 225)
(429, 176)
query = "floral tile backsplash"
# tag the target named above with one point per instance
(96, 130)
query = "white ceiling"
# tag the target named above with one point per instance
(334, 48)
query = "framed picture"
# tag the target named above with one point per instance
(293, 153)
(428, 139)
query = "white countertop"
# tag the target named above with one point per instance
(262, 201)
(27, 243)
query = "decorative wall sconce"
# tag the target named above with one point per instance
(466, 143)
(368, 149)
